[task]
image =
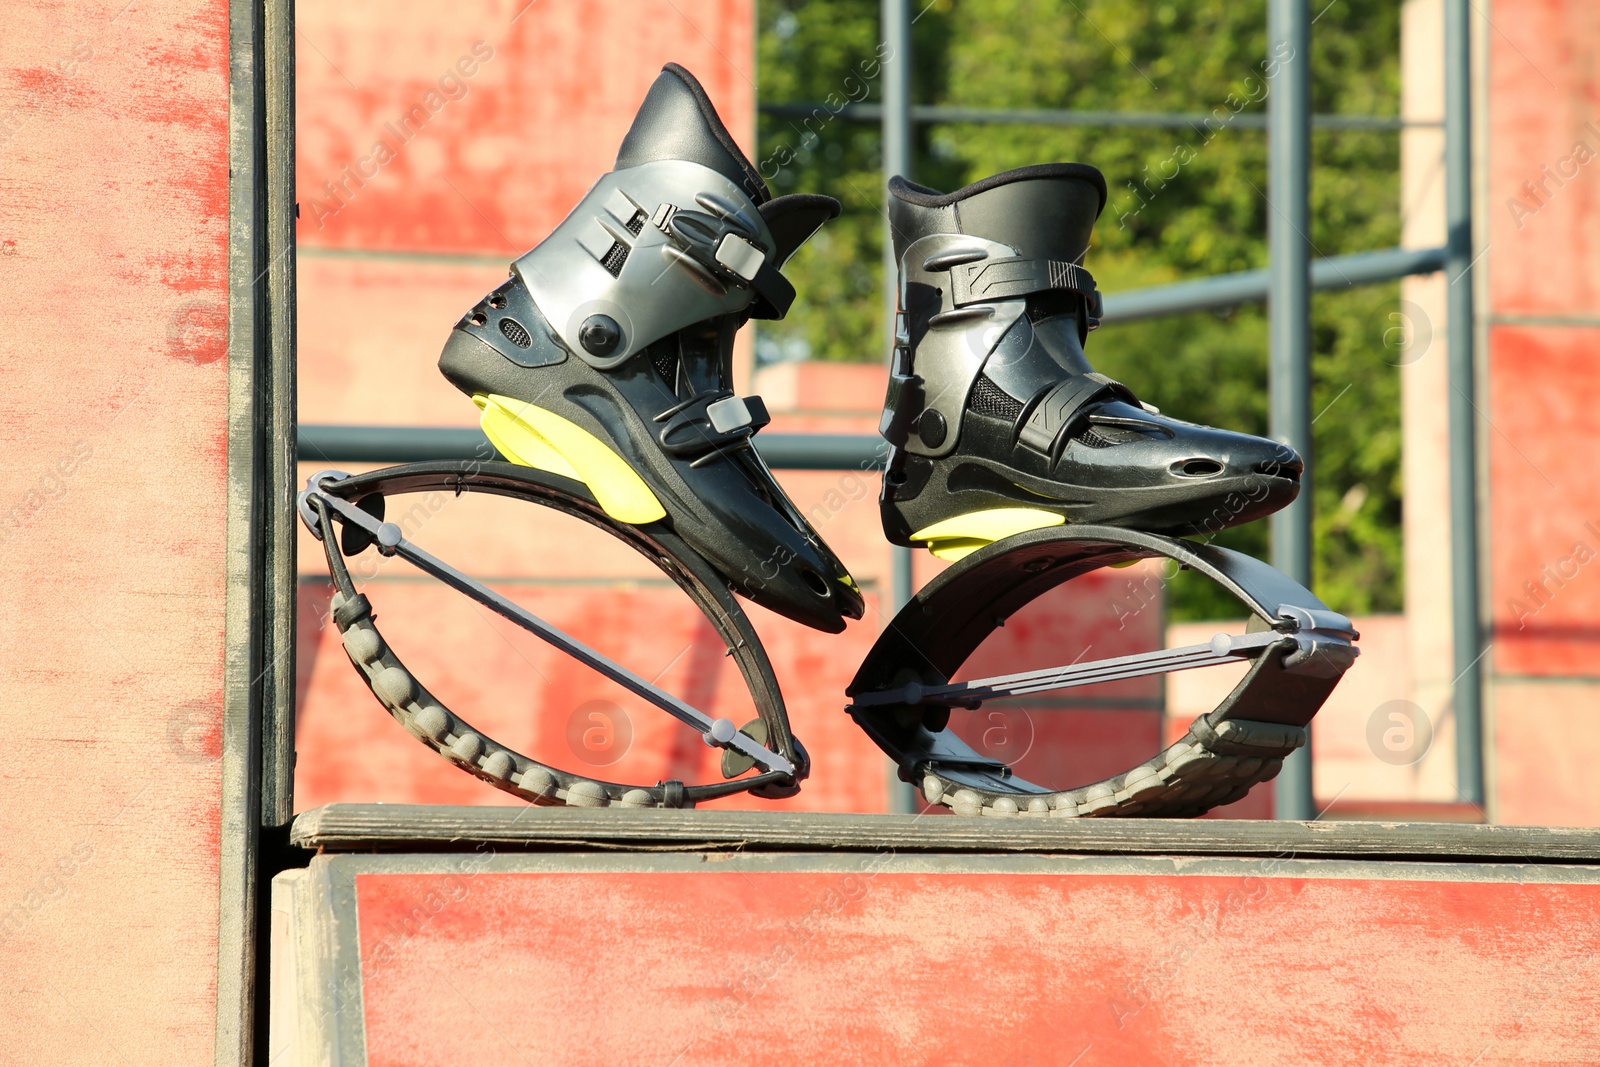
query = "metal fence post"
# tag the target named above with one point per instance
(1289, 316)
(896, 160)
(1465, 623)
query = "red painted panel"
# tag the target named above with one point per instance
(1105, 613)
(1545, 752)
(113, 353)
(371, 330)
(827, 388)
(514, 110)
(881, 966)
(1544, 501)
(1544, 158)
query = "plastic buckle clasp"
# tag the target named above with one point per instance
(1095, 303)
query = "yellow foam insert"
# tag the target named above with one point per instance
(961, 535)
(527, 434)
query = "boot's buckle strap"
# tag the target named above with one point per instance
(736, 412)
(710, 422)
(1008, 279)
(1056, 414)
(740, 256)
(723, 248)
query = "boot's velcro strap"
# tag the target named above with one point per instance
(1055, 414)
(1007, 279)
(774, 292)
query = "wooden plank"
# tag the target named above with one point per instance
(278, 398)
(361, 827)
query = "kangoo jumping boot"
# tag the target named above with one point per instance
(607, 355)
(997, 422)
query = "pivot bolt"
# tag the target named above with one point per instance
(600, 335)
(721, 733)
(389, 536)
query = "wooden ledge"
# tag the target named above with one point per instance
(427, 828)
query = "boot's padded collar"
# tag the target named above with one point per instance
(1043, 212)
(922, 196)
(677, 121)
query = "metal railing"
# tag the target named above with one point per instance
(1177, 120)
(414, 444)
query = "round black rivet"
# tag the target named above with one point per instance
(600, 335)
(931, 428)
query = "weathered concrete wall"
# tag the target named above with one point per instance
(114, 169)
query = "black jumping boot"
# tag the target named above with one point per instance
(997, 422)
(607, 355)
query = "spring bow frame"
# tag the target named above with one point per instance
(901, 696)
(357, 504)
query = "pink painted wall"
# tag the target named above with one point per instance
(1541, 235)
(113, 335)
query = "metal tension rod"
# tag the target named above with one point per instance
(721, 733)
(1220, 649)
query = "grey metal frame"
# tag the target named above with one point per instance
(1285, 284)
(924, 115)
(1466, 622)
(895, 122)
(245, 629)
(413, 444)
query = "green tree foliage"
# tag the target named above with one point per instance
(1184, 203)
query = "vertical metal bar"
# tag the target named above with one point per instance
(1289, 316)
(1465, 624)
(896, 72)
